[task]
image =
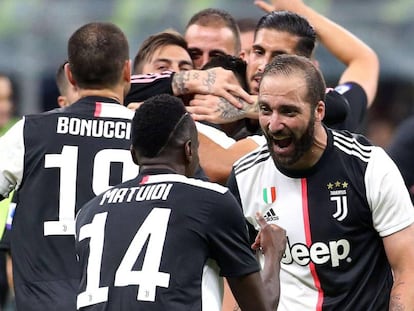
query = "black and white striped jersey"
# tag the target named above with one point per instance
(58, 161)
(335, 215)
(142, 245)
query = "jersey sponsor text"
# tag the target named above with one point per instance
(319, 253)
(94, 128)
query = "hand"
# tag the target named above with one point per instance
(215, 81)
(271, 238)
(279, 5)
(215, 109)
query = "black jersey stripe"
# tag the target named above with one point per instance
(352, 140)
(262, 156)
(251, 156)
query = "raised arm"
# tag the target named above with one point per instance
(362, 64)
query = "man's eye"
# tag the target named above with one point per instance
(257, 52)
(217, 53)
(195, 54)
(264, 108)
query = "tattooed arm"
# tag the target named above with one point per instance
(218, 110)
(214, 81)
(399, 248)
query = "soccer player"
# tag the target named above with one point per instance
(211, 32)
(282, 32)
(142, 245)
(60, 159)
(348, 215)
(163, 51)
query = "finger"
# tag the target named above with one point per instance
(260, 220)
(264, 6)
(199, 110)
(200, 96)
(238, 91)
(257, 242)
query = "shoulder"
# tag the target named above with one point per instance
(252, 160)
(145, 86)
(352, 144)
(188, 182)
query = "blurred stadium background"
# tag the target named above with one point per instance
(33, 36)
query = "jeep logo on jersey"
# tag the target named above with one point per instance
(319, 253)
(269, 195)
(337, 192)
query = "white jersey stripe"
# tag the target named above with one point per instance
(165, 178)
(111, 110)
(366, 150)
(351, 152)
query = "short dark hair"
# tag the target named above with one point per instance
(60, 78)
(288, 65)
(97, 53)
(152, 43)
(217, 18)
(229, 62)
(294, 24)
(157, 123)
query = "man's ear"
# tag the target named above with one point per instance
(243, 55)
(62, 101)
(69, 75)
(320, 111)
(127, 71)
(188, 151)
(134, 156)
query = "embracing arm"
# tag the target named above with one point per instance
(362, 64)
(216, 81)
(218, 161)
(399, 248)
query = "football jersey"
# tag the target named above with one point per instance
(58, 161)
(143, 245)
(335, 215)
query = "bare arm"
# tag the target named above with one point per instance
(217, 161)
(264, 287)
(216, 81)
(362, 64)
(399, 248)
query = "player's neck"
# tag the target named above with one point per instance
(109, 93)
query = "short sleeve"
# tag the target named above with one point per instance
(387, 195)
(228, 239)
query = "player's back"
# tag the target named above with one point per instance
(70, 156)
(143, 245)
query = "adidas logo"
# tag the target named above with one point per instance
(270, 215)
